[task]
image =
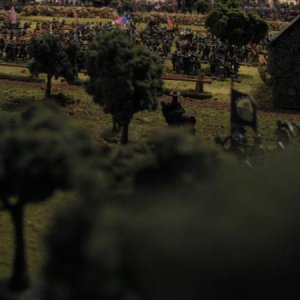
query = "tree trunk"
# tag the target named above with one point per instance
(124, 137)
(20, 279)
(48, 86)
(116, 125)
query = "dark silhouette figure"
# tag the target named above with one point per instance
(175, 114)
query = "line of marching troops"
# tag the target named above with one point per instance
(280, 11)
(186, 49)
(13, 44)
(14, 38)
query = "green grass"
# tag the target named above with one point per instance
(250, 83)
(14, 98)
(37, 220)
(19, 71)
(212, 118)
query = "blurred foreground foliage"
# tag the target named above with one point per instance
(39, 154)
(190, 227)
(169, 219)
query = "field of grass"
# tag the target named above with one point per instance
(38, 218)
(15, 96)
(212, 118)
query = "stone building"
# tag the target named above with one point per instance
(284, 66)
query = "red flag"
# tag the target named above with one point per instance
(74, 11)
(170, 23)
(120, 21)
(13, 15)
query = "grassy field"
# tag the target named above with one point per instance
(212, 118)
(38, 218)
(15, 96)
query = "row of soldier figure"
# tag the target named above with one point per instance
(13, 50)
(189, 63)
(14, 41)
(186, 63)
(238, 143)
(159, 40)
(191, 48)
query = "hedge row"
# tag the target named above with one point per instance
(107, 13)
(53, 11)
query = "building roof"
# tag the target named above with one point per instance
(283, 31)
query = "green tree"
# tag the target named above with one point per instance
(97, 268)
(201, 6)
(233, 236)
(76, 59)
(99, 3)
(124, 78)
(49, 56)
(229, 3)
(257, 28)
(234, 27)
(178, 158)
(38, 154)
(171, 157)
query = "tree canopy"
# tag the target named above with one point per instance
(97, 267)
(124, 78)
(52, 57)
(39, 153)
(201, 6)
(236, 234)
(234, 26)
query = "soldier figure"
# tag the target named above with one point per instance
(236, 66)
(285, 132)
(175, 114)
(175, 105)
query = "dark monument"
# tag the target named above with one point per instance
(284, 66)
